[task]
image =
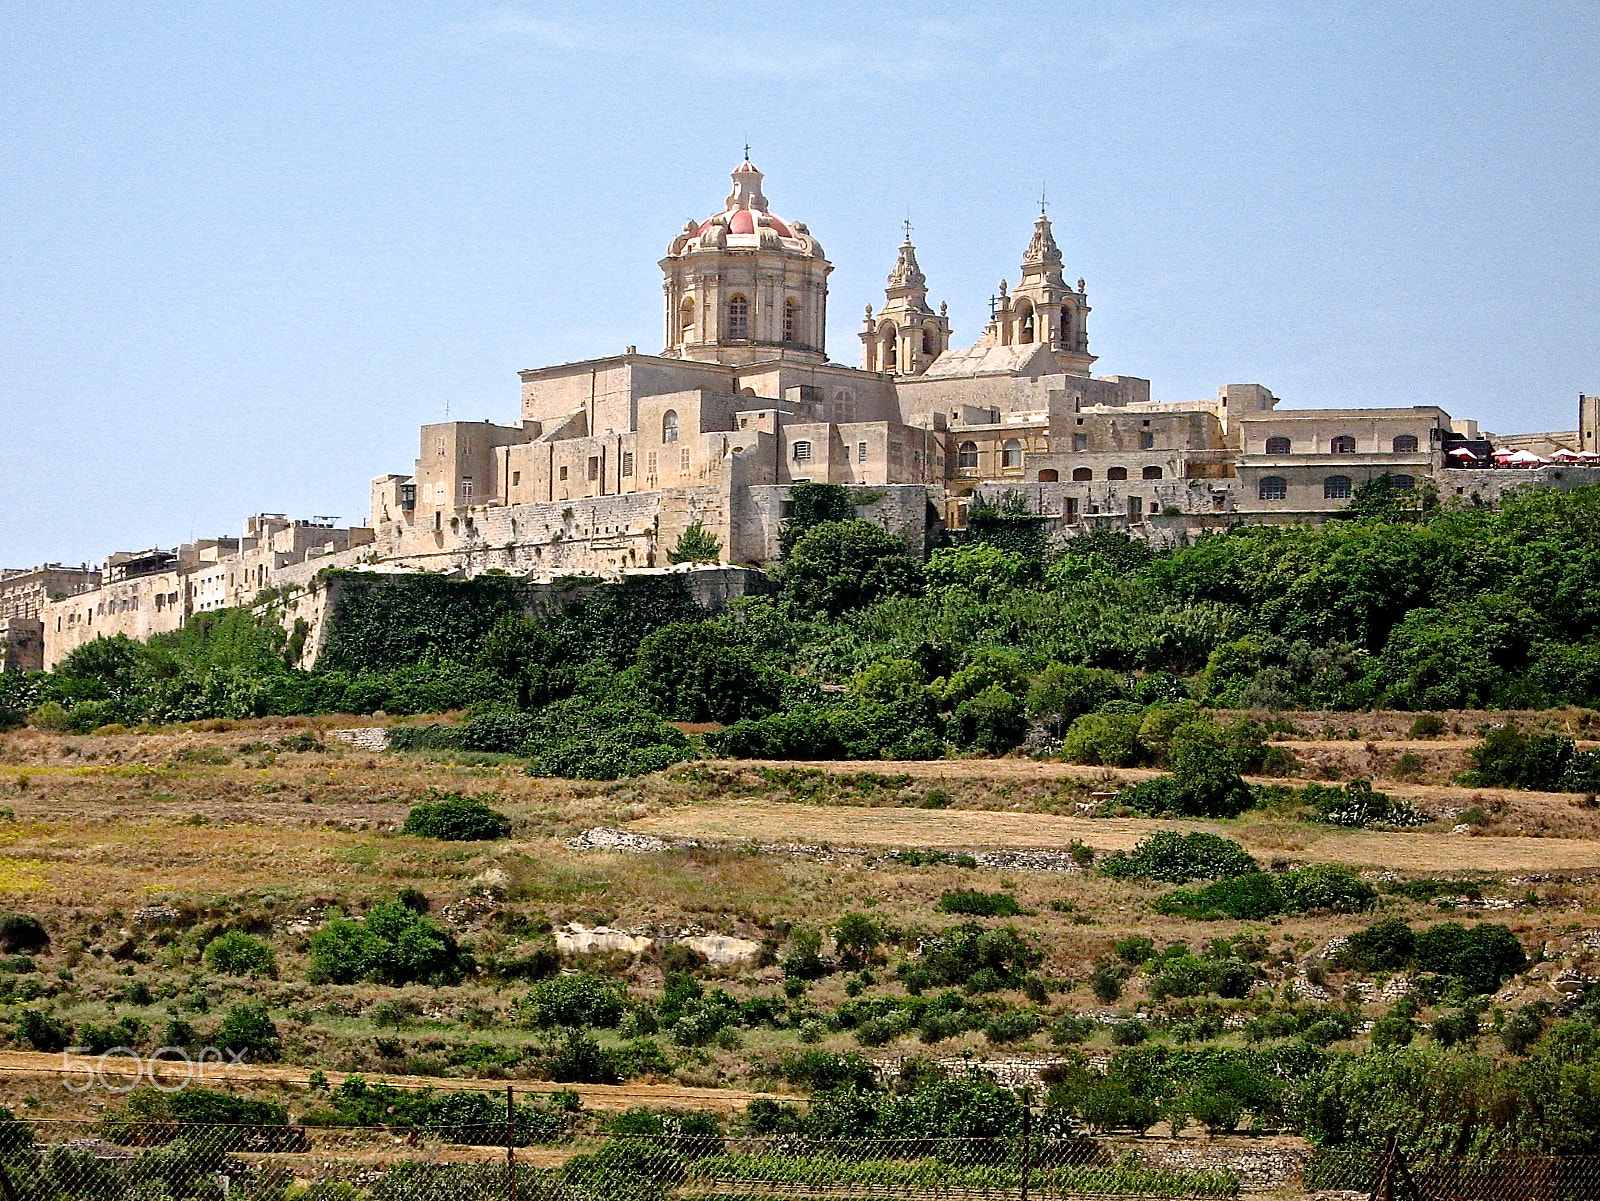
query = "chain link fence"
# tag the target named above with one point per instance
(164, 1161)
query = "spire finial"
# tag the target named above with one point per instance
(1043, 203)
(907, 224)
(747, 152)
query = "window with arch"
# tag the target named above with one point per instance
(967, 456)
(1049, 475)
(1011, 454)
(1405, 444)
(927, 342)
(1082, 475)
(1344, 444)
(1065, 336)
(1278, 446)
(738, 317)
(1272, 487)
(791, 320)
(1116, 473)
(1402, 483)
(669, 426)
(1336, 487)
(1025, 327)
(802, 451)
(686, 319)
(1152, 473)
(891, 351)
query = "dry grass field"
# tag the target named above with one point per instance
(135, 850)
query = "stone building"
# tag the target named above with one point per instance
(609, 461)
(144, 593)
(25, 592)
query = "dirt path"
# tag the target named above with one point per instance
(982, 829)
(72, 1070)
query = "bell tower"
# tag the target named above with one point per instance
(1043, 308)
(906, 336)
(746, 286)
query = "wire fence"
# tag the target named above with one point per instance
(167, 1161)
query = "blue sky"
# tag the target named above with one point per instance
(248, 248)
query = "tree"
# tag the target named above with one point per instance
(696, 545)
(811, 505)
(843, 565)
(856, 938)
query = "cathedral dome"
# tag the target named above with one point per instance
(745, 224)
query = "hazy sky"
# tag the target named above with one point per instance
(249, 247)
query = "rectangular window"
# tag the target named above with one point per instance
(563, 473)
(516, 478)
(1080, 441)
(1072, 508)
(650, 465)
(861, 452)
(466, 488)
(627, 462)
(441, 493)
(439, 447)
(594, 467)
(683, 460)
(1147, 441)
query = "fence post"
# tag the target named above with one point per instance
(1027, 1131)
(511, 1142)
(1393, 1181)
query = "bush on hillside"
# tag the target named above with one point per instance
(239, 954)
(393, 945)
(581, 739)
(1257, 895)
(1173, 857)
(451, 817)
(582, 1000)
(22, 933)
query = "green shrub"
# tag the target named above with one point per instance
(1174, 857)
(838, 566)
(248, 1030)
(451, 817)
(1111, 739)
(1482, 957)
(825, 1071)
(1523, 1027)
(394, 945)
(1106, 983)
(1243, 898)
(576, 1058)
(1428, 725)
(991, 721)
(582, 1000)
(22, 933)
(1327, 888)
(977, 959)
(980, 904)
(586, 740)
(1134, 949)
(1358, 805)
(239, 954)
(43, 1031)
(1384, 946)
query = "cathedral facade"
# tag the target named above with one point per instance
(610, 460)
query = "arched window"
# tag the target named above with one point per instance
(738, 317)
(1405, 444)
(1011, 454)
(1152, 473)
(891, 352)
(1336, 487)
(669, 426)
(1049, 475)
(927, 342)
(1025, 326)
(791, 320)
(967, 456)
(1082, 475)
(802, 451)
(1065, 337)
(1344, 444)
(1116, 473)
(1272, 487)
(1402, 483)
(1278, 446)
(686, 319)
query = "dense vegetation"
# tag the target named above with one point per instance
(1106, 651)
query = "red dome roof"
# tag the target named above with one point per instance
(743, 221)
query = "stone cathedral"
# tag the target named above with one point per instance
(611, 459)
